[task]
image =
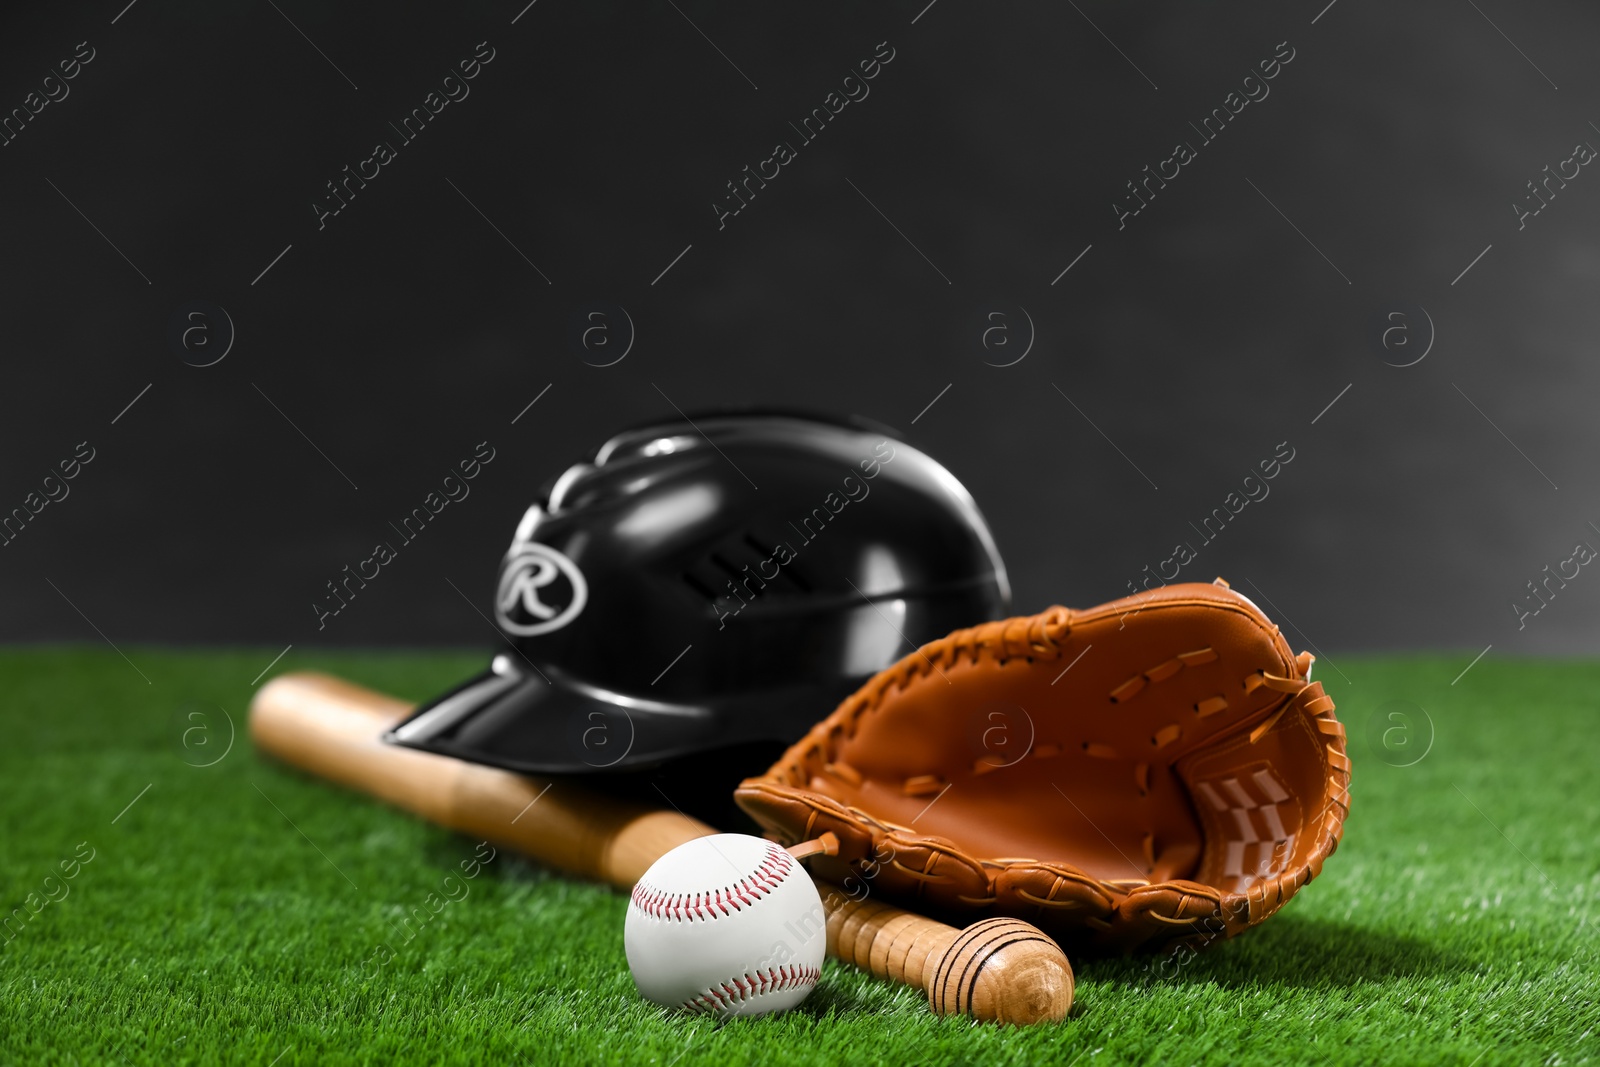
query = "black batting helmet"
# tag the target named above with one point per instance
(712, 582)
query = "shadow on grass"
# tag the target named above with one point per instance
(1290, 951)
(836, 998)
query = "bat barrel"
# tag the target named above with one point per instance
(331, 728)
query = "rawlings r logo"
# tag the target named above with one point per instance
(529, 577)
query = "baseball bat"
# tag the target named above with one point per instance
(1001, 969)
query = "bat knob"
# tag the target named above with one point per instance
(1002, 970)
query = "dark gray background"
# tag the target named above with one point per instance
(1195, 339)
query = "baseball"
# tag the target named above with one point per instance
(727, 924)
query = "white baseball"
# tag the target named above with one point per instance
(728, 924)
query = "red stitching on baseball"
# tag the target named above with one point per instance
(686, 907)
(772, 980)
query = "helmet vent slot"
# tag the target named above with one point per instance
(792, 573)
(698, 586)
(768, 551)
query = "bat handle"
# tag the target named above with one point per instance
(997, 970)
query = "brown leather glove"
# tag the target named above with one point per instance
(1157, 770)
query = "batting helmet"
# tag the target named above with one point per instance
(714, 582)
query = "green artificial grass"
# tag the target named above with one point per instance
(236, 913)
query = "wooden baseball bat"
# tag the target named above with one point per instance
(1000, 969)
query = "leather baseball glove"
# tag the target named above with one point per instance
(1156, 771)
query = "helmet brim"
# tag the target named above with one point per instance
(531, 720)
